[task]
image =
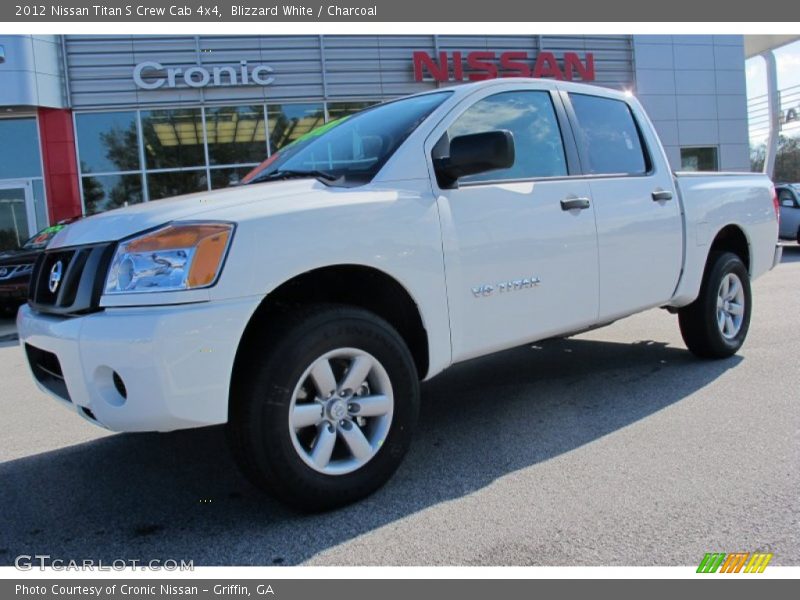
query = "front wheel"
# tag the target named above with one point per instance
(324, 416)
(8, 310)
(715, 325)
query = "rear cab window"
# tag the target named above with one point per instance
(609, 138)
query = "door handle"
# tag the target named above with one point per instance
(660, 195)
(573, 203)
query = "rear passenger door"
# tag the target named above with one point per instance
(639, 223)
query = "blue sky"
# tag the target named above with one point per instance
(788, 70)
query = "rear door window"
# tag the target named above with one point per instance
(787, 195)
(609, 136)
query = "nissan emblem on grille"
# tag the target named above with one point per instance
(55, 277)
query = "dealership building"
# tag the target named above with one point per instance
(90, 123)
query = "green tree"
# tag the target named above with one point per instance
(787, 160)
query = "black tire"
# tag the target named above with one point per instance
(258, 428)
(9, 310)
(698, 320)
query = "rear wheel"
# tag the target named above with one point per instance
(324, 415)
(715, 325)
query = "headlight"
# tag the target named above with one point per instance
(179, 256)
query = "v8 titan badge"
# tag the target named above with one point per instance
(506, 286)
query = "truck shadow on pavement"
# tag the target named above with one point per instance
(179, 495)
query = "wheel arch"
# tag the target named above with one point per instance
(732, 238)
(357, 285)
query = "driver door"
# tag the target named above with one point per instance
(520, 244)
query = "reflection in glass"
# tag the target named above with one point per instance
(175, 183)
(287, 122)
(337, 110)
(531, 118)
(222, 178)
(19, 149)
(610, 135)
(107, 142)
(236, 134)
(13, 218)
(104, 192)
(699, 159)
(354, 148)
(173, 138)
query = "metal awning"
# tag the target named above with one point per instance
(764, 45)
(758, 44)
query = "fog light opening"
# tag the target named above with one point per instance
(119, 385)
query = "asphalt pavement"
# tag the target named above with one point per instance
(615, 447)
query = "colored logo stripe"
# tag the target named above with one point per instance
(711, 562)
(733, 563)
(758, 563)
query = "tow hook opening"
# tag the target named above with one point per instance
(111, 386)
(119, 385)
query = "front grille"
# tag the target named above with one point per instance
(69, 281)
(47, 370)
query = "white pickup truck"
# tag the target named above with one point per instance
(304, 307)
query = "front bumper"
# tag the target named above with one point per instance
(776, 259)
(14, 291)
(175, 362)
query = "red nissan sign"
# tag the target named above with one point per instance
(478, 65)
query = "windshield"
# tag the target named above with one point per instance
(41, 239)
(352, 149)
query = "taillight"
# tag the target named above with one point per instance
(776, 204)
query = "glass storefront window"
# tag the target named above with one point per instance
(337, 110)
(175, 183)
(173, 143)
(173, 138)
(107, 142)
(14, 229)
(222, 178)
(19, 149)
(287, 122)
(699, 159)
(236, 134)
(104, 192)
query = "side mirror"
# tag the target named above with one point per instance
(475, 153)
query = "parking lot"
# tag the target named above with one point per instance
(615, 447)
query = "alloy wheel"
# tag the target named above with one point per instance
(341, 411)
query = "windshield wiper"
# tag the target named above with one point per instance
(291, 173)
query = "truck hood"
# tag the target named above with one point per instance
(113, 225)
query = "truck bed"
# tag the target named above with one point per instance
(711, 201)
